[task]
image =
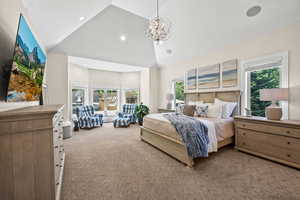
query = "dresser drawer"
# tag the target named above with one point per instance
(276, 146)
(269, 128)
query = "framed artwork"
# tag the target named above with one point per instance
(191, 79)
(209, 77)
(230, 73)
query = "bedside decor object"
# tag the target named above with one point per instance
(275, 140)
(170, 98)
(274, 112)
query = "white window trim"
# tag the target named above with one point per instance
(253, 65)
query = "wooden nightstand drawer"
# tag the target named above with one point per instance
(280, 147)
(269, 128)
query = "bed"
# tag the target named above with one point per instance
(160, 133)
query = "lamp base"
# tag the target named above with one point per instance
(274, 113)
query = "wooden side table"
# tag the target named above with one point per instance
(275, 140)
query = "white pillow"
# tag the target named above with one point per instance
(214, 110)
(227, 108)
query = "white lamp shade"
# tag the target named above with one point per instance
(274, 94)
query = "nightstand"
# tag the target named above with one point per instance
(275, 140)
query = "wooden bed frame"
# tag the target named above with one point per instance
(176, 148)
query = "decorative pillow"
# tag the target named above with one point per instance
(189, 110)
(201, 110)
(227, 108)
(214, 110)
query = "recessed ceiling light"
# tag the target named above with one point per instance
(81, 18)
(253, 11)
(123, 38)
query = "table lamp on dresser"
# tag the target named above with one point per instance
(274, 112)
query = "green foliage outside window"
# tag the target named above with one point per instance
(268, 78)
(179, 91)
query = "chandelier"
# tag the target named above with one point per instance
(159, 28)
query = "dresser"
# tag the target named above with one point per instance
(275, 140)
(31, 153)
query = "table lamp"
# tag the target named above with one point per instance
(274, 112)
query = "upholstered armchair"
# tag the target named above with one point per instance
(87, 117)
(128, 112)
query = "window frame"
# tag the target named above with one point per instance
(105, 95)
(262, 63)
(86, 99)
(174, 81)
(132, 89)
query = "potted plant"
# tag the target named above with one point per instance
(140, 112)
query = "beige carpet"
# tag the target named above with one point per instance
(108, 163)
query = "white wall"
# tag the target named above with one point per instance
(286, 39)
(150, 86)
(57, 76)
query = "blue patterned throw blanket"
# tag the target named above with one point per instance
(193, 133)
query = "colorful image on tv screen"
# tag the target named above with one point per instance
(29, 60)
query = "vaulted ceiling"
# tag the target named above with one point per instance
(198, 26)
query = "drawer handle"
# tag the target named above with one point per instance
(289, 155)
(57, 183)
(57, 165)
(61, 166)
(288, 132)
(288, 142)
(244, 143)
(243, 125)
(59, 137)
(56, 147)
(244, 133)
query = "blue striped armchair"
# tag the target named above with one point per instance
(128, 112)
(87, 117)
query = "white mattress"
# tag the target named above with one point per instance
(157, 122)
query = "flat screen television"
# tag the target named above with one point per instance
(28, 65)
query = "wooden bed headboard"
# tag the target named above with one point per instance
(209, 97)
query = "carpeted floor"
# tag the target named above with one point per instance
(108, 163)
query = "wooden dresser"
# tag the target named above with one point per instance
(31, 153)
(275, 140)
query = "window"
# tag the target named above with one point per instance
(132, 96)
(106, 99)
(261, 73)
(99, 100)
(179, 92)
(112, 100)
(261, 79)
(78, 97)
